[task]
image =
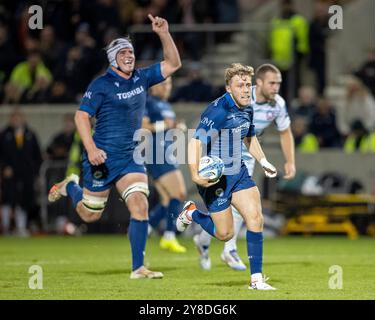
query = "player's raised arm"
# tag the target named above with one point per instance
(172, 61)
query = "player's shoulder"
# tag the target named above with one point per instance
(280, 101)
(220, 104)
(100, 83)
(146, 69)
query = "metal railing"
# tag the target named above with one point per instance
(254, 45)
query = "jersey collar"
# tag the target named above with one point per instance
(113, 73)
(232, 103)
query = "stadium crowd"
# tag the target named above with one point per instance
(55, 64)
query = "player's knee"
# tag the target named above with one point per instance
(92, 208)
(224, 235)
(138, 206)
(178, 194)
(182, 196)
(254, 220)
(91, 217)
(87, 215)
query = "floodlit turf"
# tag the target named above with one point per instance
(97, 267)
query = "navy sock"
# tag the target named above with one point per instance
(137, 235)
(75, 192)
(174, 210)
(255, 250)
(204, 221)
(158, 213)
(174, 207)
(171, 223)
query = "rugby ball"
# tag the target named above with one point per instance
(211, 168)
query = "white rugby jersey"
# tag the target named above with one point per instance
(263, 115)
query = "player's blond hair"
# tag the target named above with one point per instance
(237, 69)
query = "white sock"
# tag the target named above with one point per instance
(21, 219)
(169, 235)
(5, 218)
(149, 230)
(255, 277)
(205, 238)
(237, 224)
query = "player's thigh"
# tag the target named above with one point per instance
(173, 182)
(163, 193)
(91, 207)
(223, 221)
(248, 204)
(133, 188)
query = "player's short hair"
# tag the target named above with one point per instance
(264, 68)
(237, 69)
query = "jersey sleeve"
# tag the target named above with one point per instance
(283, 119)
(251, 132)
(213, 120)
(93, 98)
(168, 112)
(153, 74)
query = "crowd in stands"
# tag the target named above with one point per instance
(55, 64)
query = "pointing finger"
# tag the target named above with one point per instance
(151, 17)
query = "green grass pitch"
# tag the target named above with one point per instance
(98, 267)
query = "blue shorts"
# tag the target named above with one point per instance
(219, 196)
(117, 168)
(161, 153)
(158, 170)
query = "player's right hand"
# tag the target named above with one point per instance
(269, 170)
(204, 182)
(96, 156)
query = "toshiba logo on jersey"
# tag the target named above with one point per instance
(129, 94)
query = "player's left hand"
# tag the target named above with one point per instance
(181, 126)
(159, 25)
(290, 171)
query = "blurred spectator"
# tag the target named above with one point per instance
(317, 40)
(145, 44)
(20, 160)
(59, 148)
(227, 11)
(305, 105)
(126, 10)
(104, 15)
(359, 105)
(191, 12)
(197, 89)
(29, 81)
(51, 48)
(305, 142)
(288, 45)
(75, 72)
(8, 58)
(323, 125)
(359, 139)
(367, 72)
(59, 93)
